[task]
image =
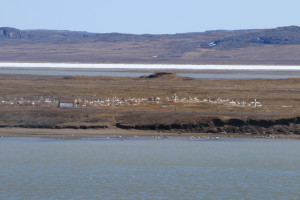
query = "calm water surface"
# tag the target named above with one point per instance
(59, 72)
(246, 74)
(149, 169)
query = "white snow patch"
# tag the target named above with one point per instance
(150, 66)
(212, 44)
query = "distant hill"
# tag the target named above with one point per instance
(258, 46)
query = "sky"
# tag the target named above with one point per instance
(148, 16)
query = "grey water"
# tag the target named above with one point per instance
(211, 75)
(59, 72)
(33, 168)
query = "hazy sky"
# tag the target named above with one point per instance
(148, 16)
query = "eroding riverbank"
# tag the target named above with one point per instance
(205, 127)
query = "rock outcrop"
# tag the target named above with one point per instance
(11, 33)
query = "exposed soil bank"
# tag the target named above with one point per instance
(206, 127)
(234, 125)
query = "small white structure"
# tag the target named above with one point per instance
(66, 103)
(256, 104)
(233, 103)
(175, 98)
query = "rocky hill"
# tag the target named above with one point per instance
(258, 46)
(279, 36)
(162, 75)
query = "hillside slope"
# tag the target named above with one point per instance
(258, 46)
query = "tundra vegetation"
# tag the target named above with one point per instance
(201, 105)
(277, 46)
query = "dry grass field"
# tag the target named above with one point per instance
(160, 52)
(278, 97)
(280, 101)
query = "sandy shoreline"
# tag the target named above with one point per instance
(121, 133)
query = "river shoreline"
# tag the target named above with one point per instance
(121, 133)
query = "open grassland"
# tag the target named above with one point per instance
(276, 96)
(159, 52)
(280, 99)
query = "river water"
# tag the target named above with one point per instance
(198, 74)
(140, 169)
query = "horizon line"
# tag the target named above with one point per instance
(214, 30)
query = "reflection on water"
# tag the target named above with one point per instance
(127, 73)
(149, 169)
